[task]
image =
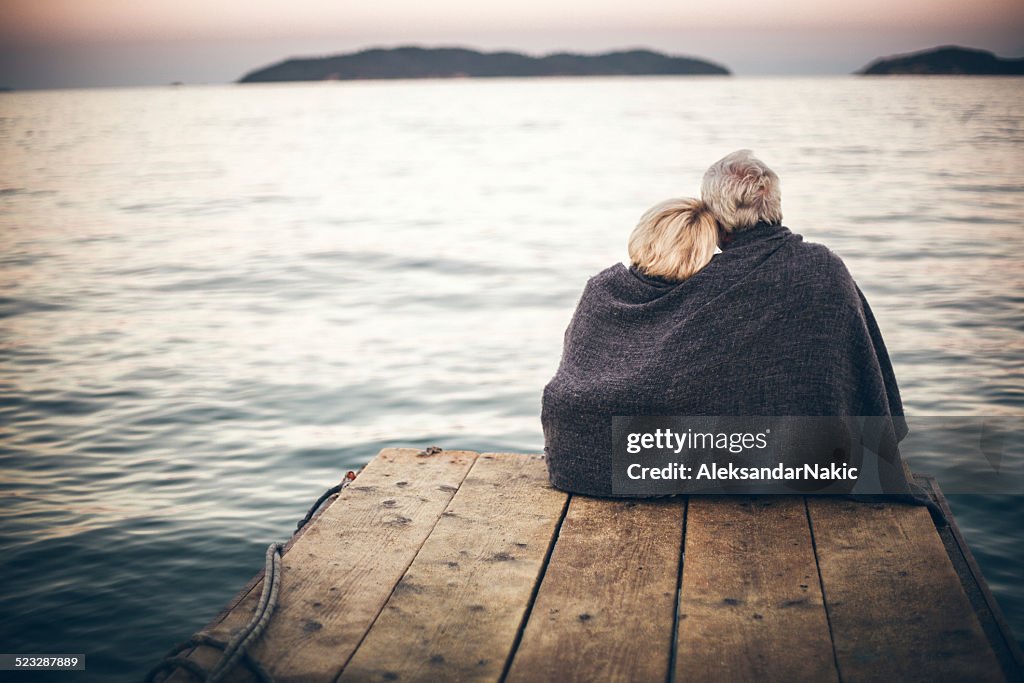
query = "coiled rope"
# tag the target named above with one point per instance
(236, 650)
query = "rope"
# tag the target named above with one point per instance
(346, 480)
(173, 660)
(236, 649)
(316, 506)
(251, 632)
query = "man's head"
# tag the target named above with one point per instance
(742, 191)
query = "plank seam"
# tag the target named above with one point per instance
(824, 597)
(673, 650)
(341, 670)
(536, 590)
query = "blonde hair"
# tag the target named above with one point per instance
(674, 239)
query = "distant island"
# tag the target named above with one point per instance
(947, 60)
(418, 62)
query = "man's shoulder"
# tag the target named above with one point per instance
(815, 264)
(812, 255)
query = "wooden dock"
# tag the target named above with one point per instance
(458, 566)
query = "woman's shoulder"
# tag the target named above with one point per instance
(613, 273)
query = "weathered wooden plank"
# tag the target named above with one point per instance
(895, 603)
(751, 607)
(997, 631)
(605, 607)
(341, 571)
(456, 613)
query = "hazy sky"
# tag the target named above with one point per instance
(66, 43)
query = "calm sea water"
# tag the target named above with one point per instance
(216, 300)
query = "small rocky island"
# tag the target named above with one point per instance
(417, 62)
(949, 60)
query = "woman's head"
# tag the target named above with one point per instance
(674, 239)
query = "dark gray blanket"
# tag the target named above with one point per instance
(772, 326)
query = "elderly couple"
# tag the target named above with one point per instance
(722, 312)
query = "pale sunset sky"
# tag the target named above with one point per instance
(78, 43)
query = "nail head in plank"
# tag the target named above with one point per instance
(338, 575)
(604, 611)
(457, 611)
(751, 606)
(894, 600)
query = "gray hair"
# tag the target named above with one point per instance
(742, 191)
